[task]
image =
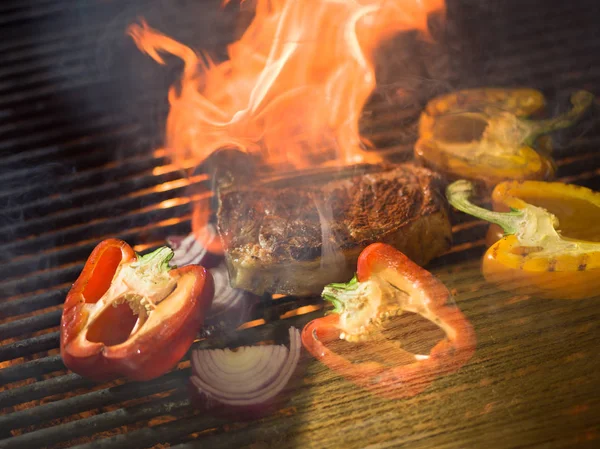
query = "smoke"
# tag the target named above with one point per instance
(97, 71)
(332, 258)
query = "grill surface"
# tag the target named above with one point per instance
(81, 113)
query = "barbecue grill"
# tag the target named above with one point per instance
(82, 115)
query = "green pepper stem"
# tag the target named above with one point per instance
(458, 194)
(331, 293)
(581, 102)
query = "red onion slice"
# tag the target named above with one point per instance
(230, 306)
(247, 377)
(188, 250)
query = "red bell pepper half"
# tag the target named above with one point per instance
(131, 315)
(387, 283)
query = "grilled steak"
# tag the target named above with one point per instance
(295, 235)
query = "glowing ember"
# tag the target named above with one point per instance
(294, 86)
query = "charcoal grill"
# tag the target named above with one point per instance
(81, 115)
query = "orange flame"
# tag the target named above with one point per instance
(294, 86)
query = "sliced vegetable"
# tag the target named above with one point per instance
(534, 258)
(250, 377)
(190, 250)
(576, 208)
(388, 283)
(131, 315)
(230, 306)
(483, 134)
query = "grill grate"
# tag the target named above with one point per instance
(77, 165)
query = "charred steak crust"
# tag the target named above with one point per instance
(312, 223)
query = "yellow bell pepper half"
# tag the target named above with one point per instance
(536, 256)
(484, 134)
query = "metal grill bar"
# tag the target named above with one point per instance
(146, 437)
(92, 400)
(23, 348)
(22, 51)
(39, 11)
(31, 369)
(26, 53)
(537, 66)
(19, 175)
(28, 325)
(152, 222)
(62, 87)
(75, 183)
(19, 306)
(61, 134)
(105, 421)
(42, 389)
(143, 190)
(45, 154)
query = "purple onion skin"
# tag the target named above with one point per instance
(175, 240)
(255, 411)
(236, 314)
(209, 260)
(237, 413)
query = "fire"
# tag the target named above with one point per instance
(294, 86)
(292, 90)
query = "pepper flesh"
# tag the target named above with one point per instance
(533, 257)
(483, 134)
(388, 282)
(133, 316)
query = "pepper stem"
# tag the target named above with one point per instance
(581, 102)
(458, 194)
(332, 293)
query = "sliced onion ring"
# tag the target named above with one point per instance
(230, 306)
(247, 377)
(188, 250)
